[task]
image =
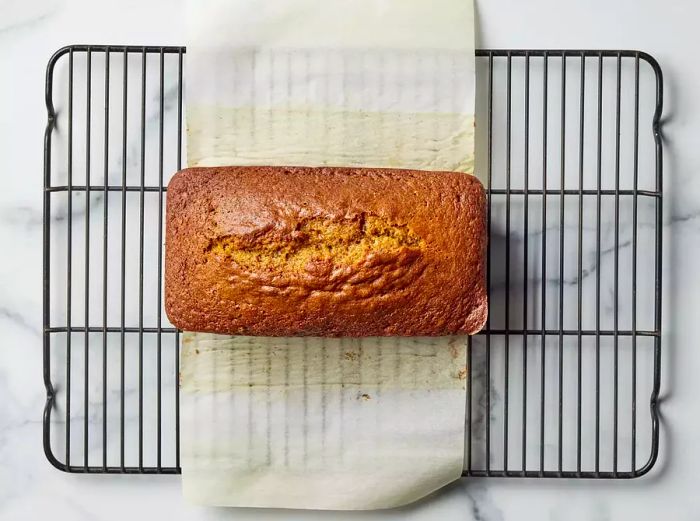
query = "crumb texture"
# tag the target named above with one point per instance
(337, 243)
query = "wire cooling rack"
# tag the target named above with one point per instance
(563, 381)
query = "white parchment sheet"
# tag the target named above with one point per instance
(326, 423)
(313, 423)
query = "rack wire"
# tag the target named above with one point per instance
(568, 142)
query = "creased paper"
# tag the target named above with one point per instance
(312, 423)
(344, 83)
(326, 423)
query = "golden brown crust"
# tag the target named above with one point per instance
(292, 251)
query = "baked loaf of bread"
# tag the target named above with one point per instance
(292, 251)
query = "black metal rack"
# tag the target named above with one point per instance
(569, 144)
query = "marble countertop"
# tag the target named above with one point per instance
(30, 487)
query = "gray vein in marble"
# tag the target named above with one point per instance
(30, 22)
(587, 271)
(169, 103)
(81, 510)
(17, 319)
(28, 217)
(684, 217)
(24, 216)
(482, 505)
(18, 425)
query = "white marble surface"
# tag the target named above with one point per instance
(30, 487)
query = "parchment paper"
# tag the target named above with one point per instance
(313, 423)
(325, 423)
